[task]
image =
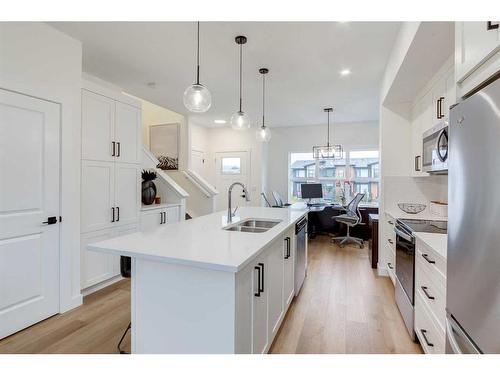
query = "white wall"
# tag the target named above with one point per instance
(38, 60)
(153, 114)
(302, 139)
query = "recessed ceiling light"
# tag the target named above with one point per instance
(345, 72)
(220, 121)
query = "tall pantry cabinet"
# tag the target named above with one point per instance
(110, 177)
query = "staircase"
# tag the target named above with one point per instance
(199, 195)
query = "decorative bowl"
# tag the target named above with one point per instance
(412, 208)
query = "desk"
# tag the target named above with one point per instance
(321, 222)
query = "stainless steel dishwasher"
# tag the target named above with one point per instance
(301, 253)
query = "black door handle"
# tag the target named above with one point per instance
(441, 101)
(50, 220)
(426, 257)
(262, 284)
(491, 26)
(258, 281)
(289, 247)
(113, 211)
(423, 332)
(424, 288)
(118, 213)
(113, 144)
(390, 266)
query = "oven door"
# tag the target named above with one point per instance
(405, 261)
(435, 149)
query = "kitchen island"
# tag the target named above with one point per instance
(198, 287)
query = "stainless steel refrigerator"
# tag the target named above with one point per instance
(473, 268)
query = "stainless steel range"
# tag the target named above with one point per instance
(405, 263)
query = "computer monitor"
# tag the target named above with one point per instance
(311, 191)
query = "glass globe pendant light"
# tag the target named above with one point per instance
(197, 98)
(264, 133)
(240, 120)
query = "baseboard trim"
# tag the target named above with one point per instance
(101, 285)
(382, 271)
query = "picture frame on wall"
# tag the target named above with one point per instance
(164, 144)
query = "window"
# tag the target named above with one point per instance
(357, 173)
(231, 166)
(365, 179)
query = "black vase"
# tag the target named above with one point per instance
(148, 192)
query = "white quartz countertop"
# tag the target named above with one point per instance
(201, 242)
(424, 215)
(436, 241)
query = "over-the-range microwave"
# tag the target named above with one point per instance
(435, 149)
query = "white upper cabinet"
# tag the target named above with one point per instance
(477, 54)
(98, 119)
(111, 130)
(416, 139)
(477, 42)
(127, 133)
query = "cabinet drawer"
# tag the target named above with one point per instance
(434, 265)
(431, 337)
(432, 295)
(391, 263)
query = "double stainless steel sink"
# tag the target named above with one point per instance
(253, 225)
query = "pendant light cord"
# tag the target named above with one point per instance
(241, 67)
(263, 99)
(328, 131)
(198, 56)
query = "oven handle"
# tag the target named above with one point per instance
(404, 235)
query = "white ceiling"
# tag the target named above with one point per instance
(304, 61)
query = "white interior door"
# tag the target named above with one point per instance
(29, 194)
(231, 167)
(198, 163)
(127, 133)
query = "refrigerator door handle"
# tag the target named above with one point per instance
(451, 338)
(458, 339)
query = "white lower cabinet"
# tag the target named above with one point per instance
(152, 218)
(99, 267)
(264, 292)
(289, 271)
(430, 299)
(274, 279)
(259, 296)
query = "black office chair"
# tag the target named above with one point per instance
(125, 270)
(351, 218)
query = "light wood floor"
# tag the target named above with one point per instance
(344, 307)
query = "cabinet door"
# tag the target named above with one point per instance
(173, 214)
(438, 97)
(450, 95)
(289, 260)
(127, 193)
(477, 43)
(416, 140)
(274, 277)
(98, 117)
(151, 219)
(95, 266)
(127, 133)
(260, 338)
(428, 108)
(97, 195)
